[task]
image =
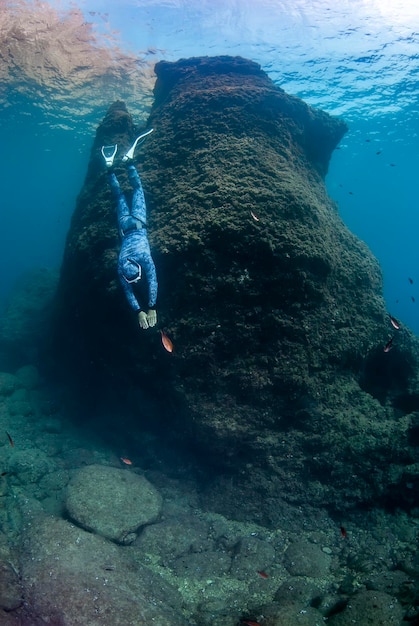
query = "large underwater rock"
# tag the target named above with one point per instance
(71, 577)
(275, 309)
(112, 502)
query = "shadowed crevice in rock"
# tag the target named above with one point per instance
(275, 309)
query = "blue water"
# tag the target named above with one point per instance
(65, 62)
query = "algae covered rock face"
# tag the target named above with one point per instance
(275, 309)
(112, 502)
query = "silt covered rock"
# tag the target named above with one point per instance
(112, 502)
(72, 577)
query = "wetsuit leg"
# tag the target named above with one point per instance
(122, 206)
(139, 209)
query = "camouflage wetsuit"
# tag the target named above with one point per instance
(135, 247)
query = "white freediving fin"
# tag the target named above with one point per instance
(130, 154)
(108, 153)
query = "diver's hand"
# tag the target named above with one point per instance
(142, 320)
(151, 317)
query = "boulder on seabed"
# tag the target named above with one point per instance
(72, 577)
(112, 502)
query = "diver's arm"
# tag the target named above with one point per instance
(150, 271)
(129, 293)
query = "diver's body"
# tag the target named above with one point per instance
(135, 254)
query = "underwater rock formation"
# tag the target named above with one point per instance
(112, 502)
(274, 308)
(70, 576)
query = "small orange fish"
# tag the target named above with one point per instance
(255, 217)
(167, 344)
(12, 443)
(126, 461)
(263, 574)
(249, 622)
(343, 532)
(394, 322)
(388, 345)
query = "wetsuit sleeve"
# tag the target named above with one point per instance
(150, 271)
(129, 293)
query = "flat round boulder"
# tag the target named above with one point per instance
(112, 502)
